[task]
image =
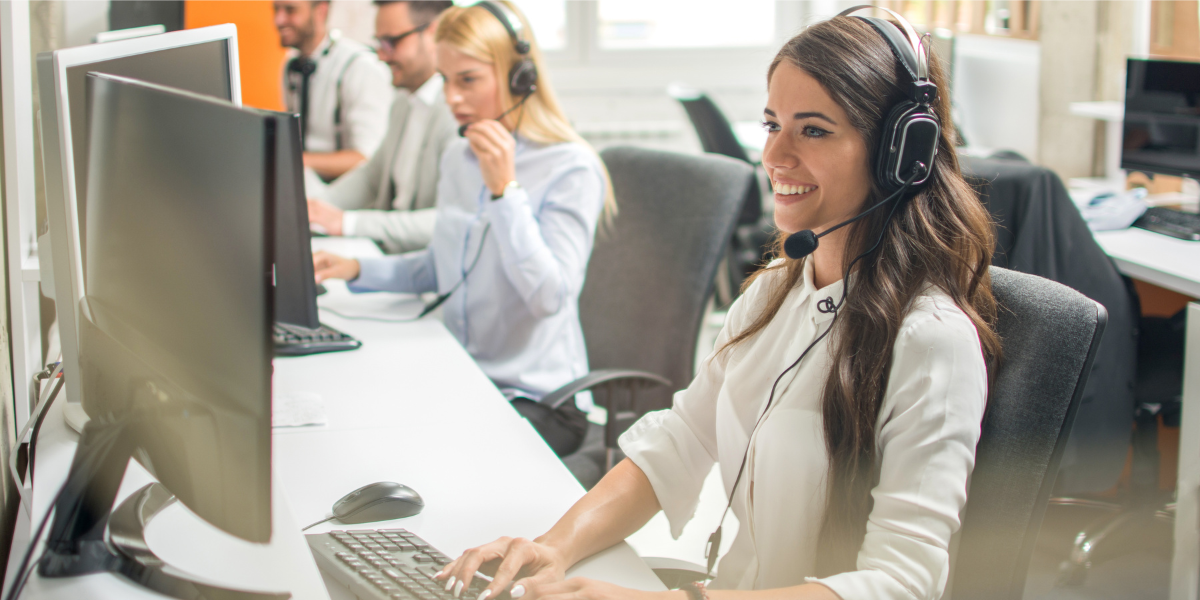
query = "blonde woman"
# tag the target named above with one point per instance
(519, 197)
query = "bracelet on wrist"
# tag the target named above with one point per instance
(696, 590)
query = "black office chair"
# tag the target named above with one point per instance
(752, 238)
(1050, 335)
(648, 281)
(1040, 231)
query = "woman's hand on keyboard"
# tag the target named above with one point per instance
(332, 266)
(537, 564)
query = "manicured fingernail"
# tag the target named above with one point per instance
(517, 591)
(484, 594)
(449, 583)
(458, 589)
(438, 574)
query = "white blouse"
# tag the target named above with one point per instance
(928, 428)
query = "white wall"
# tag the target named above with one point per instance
(996, 91)
(83, 19)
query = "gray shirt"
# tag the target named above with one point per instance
(391, 197)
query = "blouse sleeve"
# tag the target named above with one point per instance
(545, 253)
(410, 273)
(677, 447)
(929, 427)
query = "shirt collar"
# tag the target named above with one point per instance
(323, 47)
(822, 300)
(428, 91)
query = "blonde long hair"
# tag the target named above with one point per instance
(477, 33)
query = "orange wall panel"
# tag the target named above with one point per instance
(260, 57)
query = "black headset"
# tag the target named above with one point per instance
(907, 146)
(522, 78)
(909, 137)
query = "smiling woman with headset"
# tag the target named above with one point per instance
(518, 201)
(844, 400)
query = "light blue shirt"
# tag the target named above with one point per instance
(517, 313)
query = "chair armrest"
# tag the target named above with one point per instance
(673, 572)
(557, 397)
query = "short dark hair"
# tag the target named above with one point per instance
(422, 12)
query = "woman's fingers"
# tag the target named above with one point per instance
(463, 570)
(520, 552)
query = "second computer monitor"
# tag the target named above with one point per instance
(199, 60)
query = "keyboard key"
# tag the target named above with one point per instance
(421, 558)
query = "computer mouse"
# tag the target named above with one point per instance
(381, 501)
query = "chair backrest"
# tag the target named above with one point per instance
(1050, 334)
(652, 269)
(715, 133)
(717, 137)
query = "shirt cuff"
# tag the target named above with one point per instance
(373, 276)
(349, 222)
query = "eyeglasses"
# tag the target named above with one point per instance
(388, 43)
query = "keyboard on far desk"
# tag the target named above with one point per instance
(294, 340)
(1168, 221)
(384, 564)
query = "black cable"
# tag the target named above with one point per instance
(26, 569)
(37, 426)
(325, 520)
(714, 540)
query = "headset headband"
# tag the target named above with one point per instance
(916, 63)
(510, 22)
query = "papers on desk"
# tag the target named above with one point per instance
(1109, 211)
(298, 409)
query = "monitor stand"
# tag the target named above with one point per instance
(74, 415)
(77, 545)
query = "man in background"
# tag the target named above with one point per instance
(391, 198)
(336, 84)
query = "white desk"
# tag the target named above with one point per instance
(409, 406)
(1175, 265)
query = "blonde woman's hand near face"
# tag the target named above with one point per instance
(332, 266)
(496, 150)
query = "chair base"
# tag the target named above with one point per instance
(1120, 532)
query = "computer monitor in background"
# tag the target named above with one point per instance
(198, 60)
(298, 330)
(175, 328)
(1162, 117)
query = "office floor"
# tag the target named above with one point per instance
(1141, 572)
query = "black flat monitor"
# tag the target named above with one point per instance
(175, 329)
(1162, 117)
(295, 285)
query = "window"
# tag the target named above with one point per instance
(660, 24)
(548, 19)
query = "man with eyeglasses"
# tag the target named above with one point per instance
(391, 198)
(338, 87)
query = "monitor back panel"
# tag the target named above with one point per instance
(181, 246)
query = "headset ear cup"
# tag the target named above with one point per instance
(522, 80)
(909, 133)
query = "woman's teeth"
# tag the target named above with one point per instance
(788, 189)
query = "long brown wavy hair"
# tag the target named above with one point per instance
(941, 236)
